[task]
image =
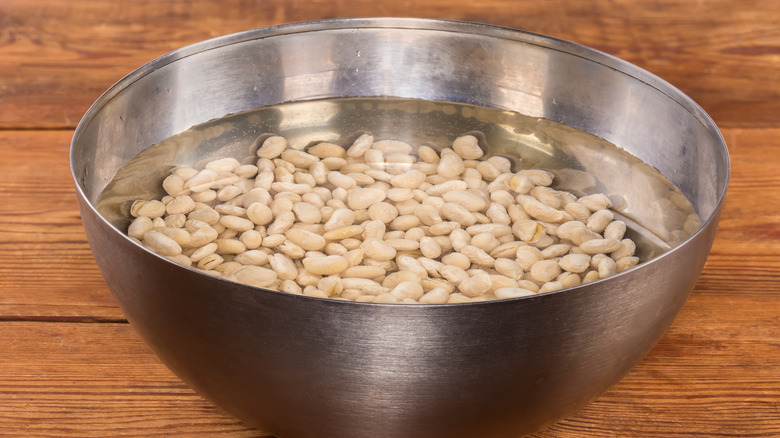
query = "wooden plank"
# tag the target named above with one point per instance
(715, 373)
(58, 57)
(46, 267)
(96, 380)
(745, 257)
(40, 227)
(71, 367)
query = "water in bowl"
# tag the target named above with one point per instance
(657, 214)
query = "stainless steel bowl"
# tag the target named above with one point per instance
(297, 366)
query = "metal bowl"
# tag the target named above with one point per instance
(296, 366)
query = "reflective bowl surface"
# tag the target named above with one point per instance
(305, 367)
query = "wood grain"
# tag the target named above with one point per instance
(82, 380)
(70, 365)
(58, 57)
(96, 380)
(48, 234)
(716, 372)
(46, 267)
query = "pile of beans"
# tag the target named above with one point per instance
(382, 222)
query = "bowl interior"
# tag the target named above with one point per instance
(658, 215)
(424, 81)
(439, 61)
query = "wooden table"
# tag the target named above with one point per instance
(71, 366)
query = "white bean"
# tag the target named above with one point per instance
(427, 154)
(327, 265)
(290, 287)
(488, 170)
(467, 147)
(202, 236)
(485, 241)
(520, 184)
(545, 270)
(457, 213)
(569, 279)
(181, 204)
(477, 256)
(600, 246)
(203, 251)
(151, 209)
(393, 146)
(180, 235)
(272, 147)
(408, 289)
(577, 211)
(625, 263)
(210, 262)
(366, 285)
(343, 232)
(160, 243)
(411, 264)
(450, 165)
(255, 276)
(403, 245)
(325, 149)
(377, 249)
(229, 246)
(305, 239)
(382, 211)
(507, 250)
(615, 230)
(512, 292)
(335, 222)
(404, 222)
(360, 146)
(410, 179)
(139, 226)
(363, 271)
(437, 295)
(577, 263)
(468, 199)
(550, 286)
(282, 223)
(454, 274)
(457, 259)
(259, 213)
(527, 256)
(595, 202)
(307, 213)
(430, 248)
(476, 285)
(362, 198)
(599, 220)
(508, 268)
(539, 177)
(236, 223)
(540, 211)
(528, 230)
(250, 257)
(547, 196)
(556, 250)
(291, 250)
(627, 249)
(283, 266)
(374, 229)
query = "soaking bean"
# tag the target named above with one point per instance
(378, 221)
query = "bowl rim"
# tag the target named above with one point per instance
(419, 24)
